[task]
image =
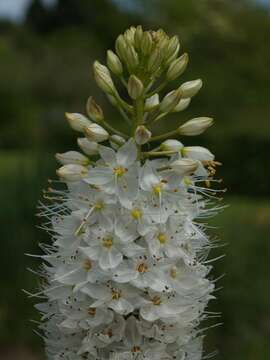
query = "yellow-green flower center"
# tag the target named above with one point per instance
(119, 171)
(107, 242)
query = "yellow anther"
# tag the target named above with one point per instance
(157, 189)
(119, 171)
(92, 311)
(135, 349)
(187, 181)
(173, 272)
(136, 213)
(156, 300)
(107, 242)
(87, 265)
(162, 238)
(142, 268)
(99, 205)
(116, 294)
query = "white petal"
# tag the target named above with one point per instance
(99, 176)
(127, 154)
(109, 259)
(148, 312)
(121, 306)
(148, 178)
(108, 155)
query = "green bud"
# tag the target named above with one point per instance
(129, 35)
(120, 47)
(170, 101)
(173, 46)
(135, 87)
(155, 60)
(94, 111)
(138, 37)
(103, 78)
(146, 43)
(131, 58)
(191, 88)
(114, 63)
(177, 67)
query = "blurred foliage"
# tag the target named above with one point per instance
(45, 71)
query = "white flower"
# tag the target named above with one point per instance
(107, 245)
(119, 175)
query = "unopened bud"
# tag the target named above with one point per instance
(171, 145)
(120, 46)
(129, 35)
(72, 157)
(72, 172)
(103, 78)
(184, 166)
(182, 105)
(191, 88)
(197, 153)
(135, 87)
(146, 43)
(151, 103)
(170, 101)
(94, 111)
(142, 135)
(138, 37)
(95, 132)
(114, 63)
(116, 141)
(131, 58)
(87, 146)
(155, 60)
(195, 126)
(177, 67)
(77, 121)
(173, 46)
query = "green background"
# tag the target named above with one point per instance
(45, 71)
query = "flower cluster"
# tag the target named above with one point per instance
(126, 275)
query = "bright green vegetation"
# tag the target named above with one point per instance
(244, 227)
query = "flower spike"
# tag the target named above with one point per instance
(127, 270)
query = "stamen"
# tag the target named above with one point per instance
(119, 171)
(116, 294)
(162, 238)
(142, 268)
(87, 265)
(156, 300)
(92, 311)
(107, 242)
(136, 213)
